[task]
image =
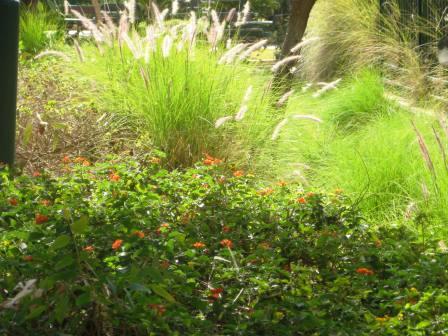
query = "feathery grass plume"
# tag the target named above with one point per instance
(131, 45)
(230, 55)
(110, 23)
(192, 31)
(231, 15)
(221, 121)
(130, 6)
(280, 64)
(78, 50)
(145, 77)
(66, 7)
(304, 43)
(160, 16)
(216, 32)
(215, 18)
(182, 40)
(164, 13)
(123, 27)
(247, 94)
(241, 113)
(166, 45)
(307, 86)
(52, 53)
(306, 116)
(425, 154)
(441, 147)
(150, 43)
(327, 87)
(244, 108)
(411, 209)
(108, 35)
(283, 99)
(151, 37)
(444, 124)
(278, 129)
(246, 11)
(147, 52)
(283, 123)
(174, 7)
(425, 192)
(252, 49)
(242, 17)
(174, 30)
(89, 25)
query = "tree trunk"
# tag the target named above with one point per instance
(298, 20)
(97, 8)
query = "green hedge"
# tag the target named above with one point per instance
(127, 248)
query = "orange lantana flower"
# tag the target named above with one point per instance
(158, 308)
(36, 174)
(45, 202)
(281, 183)
(216, 292)
(66, 159)
(238, 173)
(114, 177)
(227, 243)
(226, 229)
(364, 271)
(198, 245)
(302, 200)
(89, 248)
(117, 244)
(154, 160)
(265, 192)
(13, 201)
(40, 219)
(163, 227)
(139, 234)
(165, 264)
(211, 161)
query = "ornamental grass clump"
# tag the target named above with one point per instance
(39, 29)
(169, 83)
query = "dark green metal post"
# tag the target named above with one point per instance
(9, 45)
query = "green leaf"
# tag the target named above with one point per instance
(27, 133)
(64, 262)
(62, 308)
(163, 293)
(81, 225)
(36, 312)
(61, 242)
(83, 299)
(423, 325)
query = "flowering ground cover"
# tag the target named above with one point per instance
(127, 248)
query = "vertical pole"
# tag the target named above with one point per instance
(9, 42)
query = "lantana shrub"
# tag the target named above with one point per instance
(128, 248)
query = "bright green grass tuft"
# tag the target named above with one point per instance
(378, 163)
(39, 29)
(358, 102)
